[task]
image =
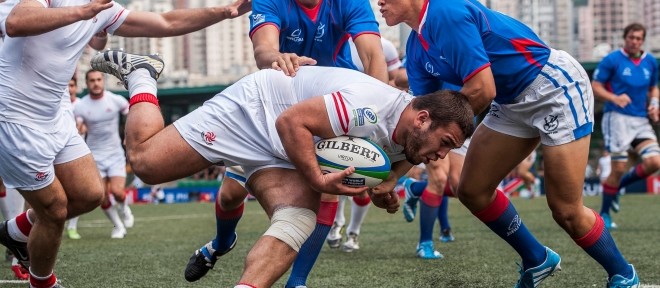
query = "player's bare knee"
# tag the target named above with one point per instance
(292, 225)
(230, 199)
(565, 215)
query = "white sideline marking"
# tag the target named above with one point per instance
(106, 223)
(14, 281)
(649, 286)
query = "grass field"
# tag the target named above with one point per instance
(156, 251)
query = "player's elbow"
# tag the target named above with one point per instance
(13, 28)
(283, 123)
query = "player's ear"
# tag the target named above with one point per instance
(422, 117)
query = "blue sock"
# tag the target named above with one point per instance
(634, 174)
(442, 214)
(418, 187)
(598, 243)
(501, 217)
(609, 194)
(607, 203)
(428, 212)
(225, 225)
(307, 256)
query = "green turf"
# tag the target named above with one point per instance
(155, 252)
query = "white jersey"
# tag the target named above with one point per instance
(391, 55)
(243, 115)
(35, 70)
(102, 119)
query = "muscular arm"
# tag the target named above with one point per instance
(266, 43)
(30, 17)
(480, 90)
(371, 54)
(179, 21)
(296, 127)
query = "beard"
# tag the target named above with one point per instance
(413, 145)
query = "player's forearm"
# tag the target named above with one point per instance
(29, 21)
(264, 57)
(377, 69)
(299, 145)
(400, 168)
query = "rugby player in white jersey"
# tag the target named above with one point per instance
(100, 111)
(266, 123)
(42, 154)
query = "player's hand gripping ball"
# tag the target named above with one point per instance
(372, 165)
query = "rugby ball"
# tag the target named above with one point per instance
(372, 165)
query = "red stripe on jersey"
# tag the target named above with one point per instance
(345, 112)
(114, 20)
(263, 25)
(521, 46)
(341, 43)
(341, 111)
(476, 71)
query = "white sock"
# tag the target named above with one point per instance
(340, 219)
(140, 81)
(73, 223)
(357, 217)
(111, 212)
(14, 232)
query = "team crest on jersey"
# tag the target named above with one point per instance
(626, 72)
(40, 176)
(320, 31)
(208, 137)
(429, 68)
(551, 123)
(362, 116)
(295, 36)
(647, 74)
(258, 19)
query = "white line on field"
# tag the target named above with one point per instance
(14, 281)
(106, 223)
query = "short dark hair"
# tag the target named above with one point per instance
(74, 79)
(446, 107)
(90, 71)
(634, 27)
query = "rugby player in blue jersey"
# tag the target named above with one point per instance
(627, 80)
(536, 94)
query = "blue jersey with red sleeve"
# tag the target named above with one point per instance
(634, 76)
(458, 39)
(320, 33)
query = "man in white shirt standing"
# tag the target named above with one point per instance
(99, 111)
(41, 154)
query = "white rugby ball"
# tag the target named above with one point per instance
(372, 165)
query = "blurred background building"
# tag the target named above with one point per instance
(222, 53)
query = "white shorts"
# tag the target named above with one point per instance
(557, 106)
(113, 165)
(463, 149)
(28, 156)
(236, 173)
(219, 131)
(619, 131)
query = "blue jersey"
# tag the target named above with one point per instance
(622, 74)
(458, 39)
(320, 33)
